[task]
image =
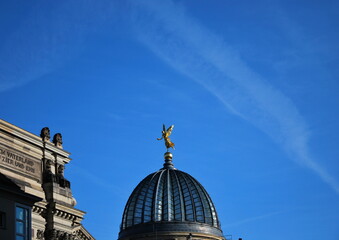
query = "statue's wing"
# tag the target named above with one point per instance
(163, 127)
(169, 130)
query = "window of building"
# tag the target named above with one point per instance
(2, 220)
(22, 222)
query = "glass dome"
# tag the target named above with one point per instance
(170, 195)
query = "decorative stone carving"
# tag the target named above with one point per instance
(57, 140)
(65, 215)
(39, 210)
(40, 234)
(48, 174)
(45, 134)
(74, 201)
(59, 235)
(48, 166)
(61, 170)
(60, 177)
(79, 235)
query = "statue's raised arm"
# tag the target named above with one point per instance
(165, 136)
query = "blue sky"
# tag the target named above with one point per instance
(251, 87)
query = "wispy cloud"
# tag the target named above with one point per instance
(32, 50)
(98, 181)
(251, 219)
(205, 57)
(47, 37)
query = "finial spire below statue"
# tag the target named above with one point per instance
(165, 136)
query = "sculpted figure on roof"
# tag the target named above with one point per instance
(165, 136)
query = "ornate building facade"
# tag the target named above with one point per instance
(36, 200)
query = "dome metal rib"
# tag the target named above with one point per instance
(169, 195)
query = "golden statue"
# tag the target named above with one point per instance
(165, 136)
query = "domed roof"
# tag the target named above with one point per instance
(172, 196)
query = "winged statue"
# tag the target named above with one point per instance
(165, 136)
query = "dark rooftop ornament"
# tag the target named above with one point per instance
(165, 136)
(168, 161)
(57, 140)
(45, 134)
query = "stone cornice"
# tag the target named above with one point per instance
(82, 233)
(38, 209)
(72, 214)
(32, 138)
